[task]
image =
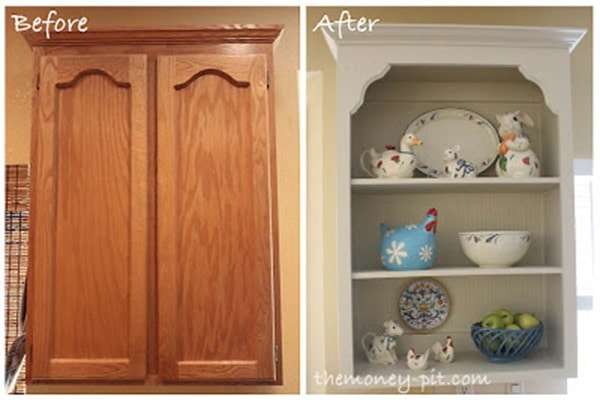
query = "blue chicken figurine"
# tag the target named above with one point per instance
(409, 247)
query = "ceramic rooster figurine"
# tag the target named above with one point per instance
(444, 354)
(409, 247)
(415, 361)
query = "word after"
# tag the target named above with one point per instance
(52, 23)
(361, 25)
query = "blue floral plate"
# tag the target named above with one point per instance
(424, 305)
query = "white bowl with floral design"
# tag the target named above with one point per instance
(495, 248)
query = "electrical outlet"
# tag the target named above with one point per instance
(514, 388)
(464, 389)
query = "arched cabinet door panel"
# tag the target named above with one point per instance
(216, 219)
(89, 219)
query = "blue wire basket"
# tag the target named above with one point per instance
(506, 345)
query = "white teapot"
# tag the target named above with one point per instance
(392, 164)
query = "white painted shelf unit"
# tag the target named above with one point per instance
(387, 78)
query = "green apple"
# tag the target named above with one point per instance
(527, 321)
(492, 321)
(509, 339)
(513, 327)
(492, 345)
(506, 316)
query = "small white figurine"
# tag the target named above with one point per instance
(382, 348)
(444, 354)
(457, 168)
(517, 159)
(415, 361)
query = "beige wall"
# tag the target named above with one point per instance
(19, 73)
(319, 59)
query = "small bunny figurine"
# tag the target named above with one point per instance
(416, 361)
(457, 168)
(517, 159)
(382, 348)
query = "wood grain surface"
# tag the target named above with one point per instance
(198, 300)
(91, 221)
(180, 35)
(215, 260)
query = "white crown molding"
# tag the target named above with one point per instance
(456, 35)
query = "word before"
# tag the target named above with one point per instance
(361, 25)
(50, 24)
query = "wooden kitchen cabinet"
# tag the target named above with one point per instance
(154, 212)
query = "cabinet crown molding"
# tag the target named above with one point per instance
(456, 35)
(237, 33)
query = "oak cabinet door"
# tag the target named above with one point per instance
(89, 219)
(216, 219)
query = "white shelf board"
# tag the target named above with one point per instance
(443, 185)
(455, 271)
(540, 364)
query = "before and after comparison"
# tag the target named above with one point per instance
(299, 199)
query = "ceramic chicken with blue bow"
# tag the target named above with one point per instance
(409, 247)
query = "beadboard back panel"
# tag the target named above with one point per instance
(404, 93)
(456, 213)
(215, 219)
(379, 123)
(89, 219)
(471, 299)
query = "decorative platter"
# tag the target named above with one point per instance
(444, 128)
(424, 304)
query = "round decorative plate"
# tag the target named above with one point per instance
(444, 128)
(424, 305)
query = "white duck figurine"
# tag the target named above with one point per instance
(415, 361)
(444, 354)
(407, 159)
(393, 164)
